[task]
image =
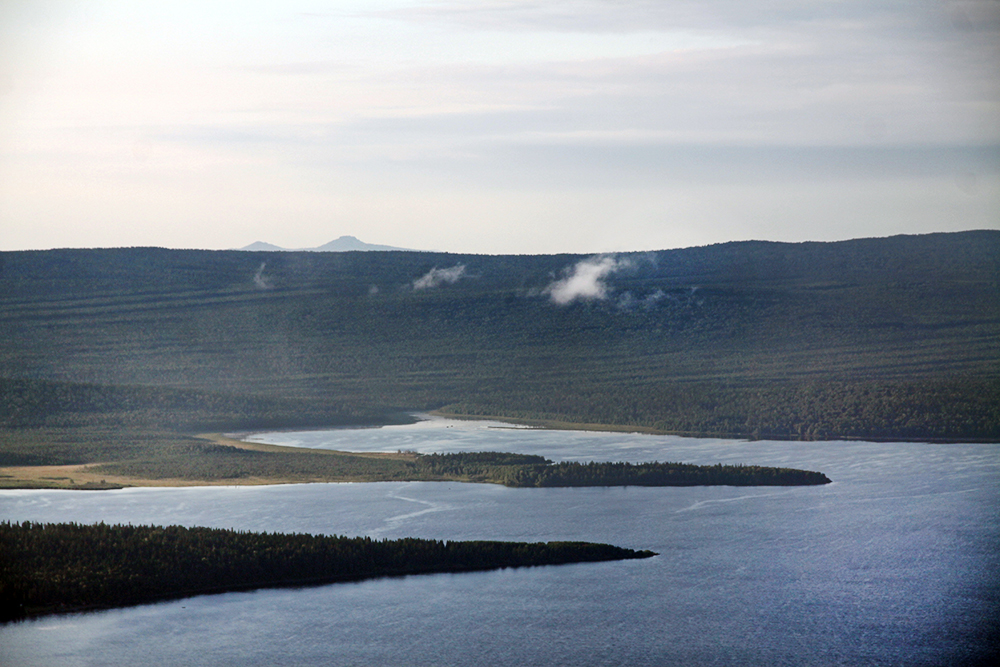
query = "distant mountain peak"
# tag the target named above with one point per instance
(261, 246)
(345, 243)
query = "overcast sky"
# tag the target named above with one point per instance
(495, 127)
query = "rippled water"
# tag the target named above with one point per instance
(895, 563)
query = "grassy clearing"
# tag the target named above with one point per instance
(216, 459)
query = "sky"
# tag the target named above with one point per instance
(498, 127)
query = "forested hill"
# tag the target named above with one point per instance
(891, 337)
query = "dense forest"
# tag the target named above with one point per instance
(47, 568)
(532, 471)
(893, 338)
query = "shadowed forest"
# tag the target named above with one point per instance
(65, 567)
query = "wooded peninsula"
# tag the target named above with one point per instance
(47, 568)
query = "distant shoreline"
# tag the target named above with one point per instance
(224, 460)
(90, 477)
(557, 425)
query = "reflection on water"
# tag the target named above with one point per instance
(896, 562)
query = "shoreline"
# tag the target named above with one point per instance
(82, 477)
(558, 425)
(86, 477)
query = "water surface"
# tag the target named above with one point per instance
(895, 563)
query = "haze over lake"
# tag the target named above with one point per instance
(895, 562)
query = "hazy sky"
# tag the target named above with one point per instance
(495, 127)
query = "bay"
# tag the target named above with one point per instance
(894, 563)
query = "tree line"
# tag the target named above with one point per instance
(518, 470)
(951, 409)
(53, 567)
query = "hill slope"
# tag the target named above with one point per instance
(893, 337)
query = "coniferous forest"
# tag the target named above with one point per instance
(535, 471)
(47, 568)
(120, 356)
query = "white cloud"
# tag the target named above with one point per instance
(585, 281)
(437, 276)
(260, 280)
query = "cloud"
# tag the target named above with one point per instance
(260, 280)
(437, 276)
(585, 281)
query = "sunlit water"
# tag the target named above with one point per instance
(895, 563)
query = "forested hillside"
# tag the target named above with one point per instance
(886, 338)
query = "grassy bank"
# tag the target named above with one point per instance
(165, 459)
(216, 459)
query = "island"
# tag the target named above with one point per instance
(518, 470)
(61, 567)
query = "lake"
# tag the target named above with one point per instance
(897, 562)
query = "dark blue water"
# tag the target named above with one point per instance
(895, 563)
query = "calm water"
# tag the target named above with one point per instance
(895, 563)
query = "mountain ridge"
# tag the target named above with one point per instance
(344, 243)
